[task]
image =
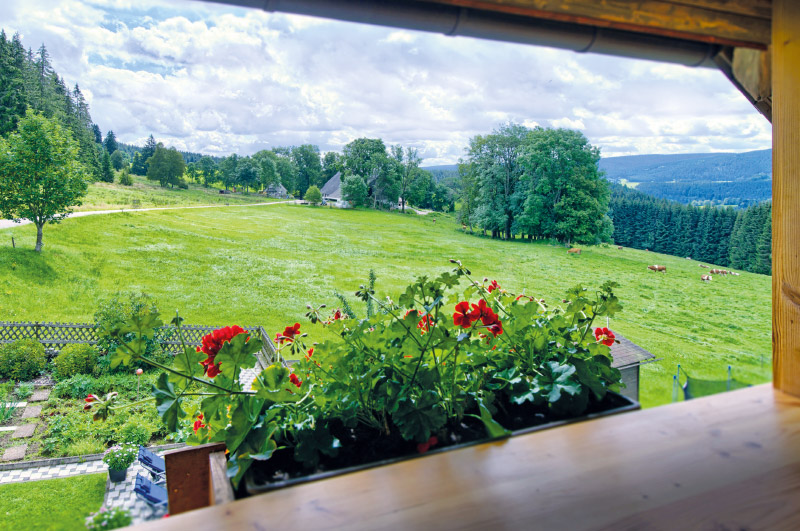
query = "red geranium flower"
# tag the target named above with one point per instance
(483, 312)
(337, 315)
(425, 323)
(493, 286)
(295, 380)
(424, 447)
(495, 328)
(604, 336)
(463, 317)
(310, 353)
(199, 423)
(89, 400)
(288, 334)
(212, 343)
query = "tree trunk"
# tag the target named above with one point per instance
(39, 227)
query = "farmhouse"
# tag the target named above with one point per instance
(729, 461)
(332, 192)
(276, 190)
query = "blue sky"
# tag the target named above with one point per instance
(218, 80)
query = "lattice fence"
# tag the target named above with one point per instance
(55, 336)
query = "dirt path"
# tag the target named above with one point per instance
(7, 223)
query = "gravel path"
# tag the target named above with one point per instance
(7, 223)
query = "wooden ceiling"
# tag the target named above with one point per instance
(736, 23)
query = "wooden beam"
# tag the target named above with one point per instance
(786, 196)
(189, 477)
(723, 22)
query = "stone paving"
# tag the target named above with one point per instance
(12, 454)
(40, 395)
(32, 412)
(24, 431)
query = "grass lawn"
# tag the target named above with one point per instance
(262, 265)
(51, 504)
(114, 196)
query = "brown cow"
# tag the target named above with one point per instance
(619, 247)
(705, 278)
(574, 250)
(661, 268)
(701, 265)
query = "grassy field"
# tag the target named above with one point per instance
(262, 265)
(51, 504)
(144, 194)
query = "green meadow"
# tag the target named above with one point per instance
(263, 264)
(149, 194)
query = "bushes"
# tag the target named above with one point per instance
(75, 359)
(80, 385)
(22, 360)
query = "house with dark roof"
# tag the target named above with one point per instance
(628, 357)
(276, 190)
(332, 192)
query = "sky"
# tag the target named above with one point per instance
(217, 80)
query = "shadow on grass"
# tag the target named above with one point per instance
(27, 263)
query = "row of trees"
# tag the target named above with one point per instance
(28, 81)
(537, 183)
(740, 239)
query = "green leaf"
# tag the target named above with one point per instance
(237, 353)
(273, 384)
(187, 363)
(142, 324)
(493, 428)
(312, 442)
(555, 379)
(418, 420)
(167, 402)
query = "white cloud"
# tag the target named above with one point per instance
(216, 79)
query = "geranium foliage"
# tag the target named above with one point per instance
(450, 350)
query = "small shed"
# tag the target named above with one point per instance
(628, 357)
(276, 190)
(332, 192)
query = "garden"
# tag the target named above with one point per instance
(62, 428)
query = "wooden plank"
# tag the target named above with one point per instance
(753, 8)
(786, 196)
(684, 20)
(189, 477)
(222, 491)
(696, 456)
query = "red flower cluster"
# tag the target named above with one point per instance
(464, 316)
(425, 323)
(424, 447)
(604, 336)
(295, 380)
(310, 353)
(493, 286)
(198, 423)
(212, 343)
(288, 335)
(89, 400)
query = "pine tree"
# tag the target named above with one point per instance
(763, 259)
(106, 172)
(111, 143)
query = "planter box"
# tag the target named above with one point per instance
(613, 403)
(117, 476)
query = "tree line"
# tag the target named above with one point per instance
(535, 183)
(727, 237)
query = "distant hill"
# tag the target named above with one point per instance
(736, 179)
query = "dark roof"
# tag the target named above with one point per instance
(333, 188)
(626, 353)
(278, 187)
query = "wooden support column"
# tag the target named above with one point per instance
(189, 479)
(786, 195)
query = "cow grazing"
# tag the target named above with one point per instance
(716, 271)
(688, 257)
(705, 278)
(619, 247)
(574, 250)
(734, 274)
(661, 268)
(701, 265)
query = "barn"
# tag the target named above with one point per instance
(628, 357)
(332, 192)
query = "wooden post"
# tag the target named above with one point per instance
(189, 477)
(786, 195)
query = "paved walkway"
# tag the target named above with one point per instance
(7, 223)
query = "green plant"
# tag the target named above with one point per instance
(24, 391)
(413, 374)
(114, 518)
(7, 410)
(77, 386)
(23, 359)
(120, 456)
(75, 359)
(135, 431)
(84, 447)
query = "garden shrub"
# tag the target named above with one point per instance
(85, 447)
(24, 391)
(75, 359)
(23, 360)
(136, 430)
(79, 386)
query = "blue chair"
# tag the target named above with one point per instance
(153, 494)
(154, 464)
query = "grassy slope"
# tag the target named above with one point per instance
(51, 504)
(114, 196)
(261, 265)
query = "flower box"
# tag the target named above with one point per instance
(258, 480)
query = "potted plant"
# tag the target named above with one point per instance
(450, 362)
(118, 458)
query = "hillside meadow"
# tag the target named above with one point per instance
(263, 264)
